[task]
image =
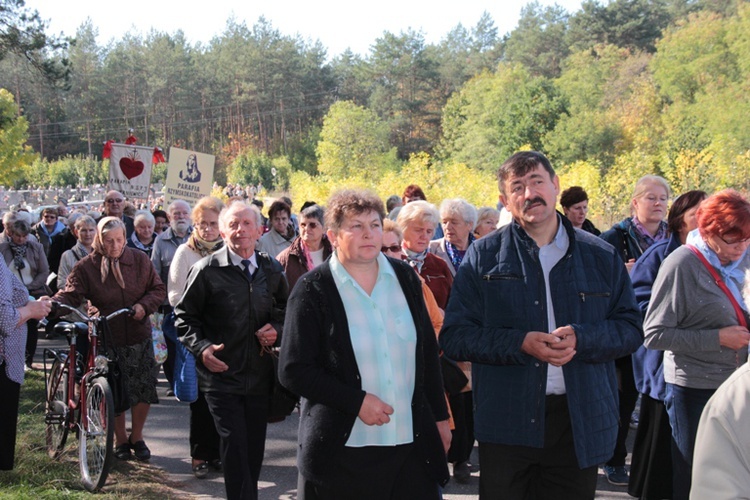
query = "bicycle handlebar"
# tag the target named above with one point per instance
(87, 319)
(129, 310)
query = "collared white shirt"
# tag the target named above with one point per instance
(549, 255)
(384, 340)
(237, 261)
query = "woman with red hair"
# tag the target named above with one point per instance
(698, 317)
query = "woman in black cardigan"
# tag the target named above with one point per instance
(321, 362)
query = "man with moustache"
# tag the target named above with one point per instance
(162, 255)
(541, 310)
(229, 317)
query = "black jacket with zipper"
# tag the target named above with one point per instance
(221, 305)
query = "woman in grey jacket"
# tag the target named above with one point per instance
(694, 321)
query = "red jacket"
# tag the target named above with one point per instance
(437, 275)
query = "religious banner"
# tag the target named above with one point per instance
(190, 176)
(129, 168)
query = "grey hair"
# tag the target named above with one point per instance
(175, 203)
(460, 207)
(314, 212)
(419, 210)
(73, 217)
(84, 220)
(486, 213)
(143, 215)
(238, 206)
(19, 227)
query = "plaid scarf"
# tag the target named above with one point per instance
(19, 253)
(415, 260)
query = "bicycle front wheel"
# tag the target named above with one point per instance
(96, 451)
(56, 414)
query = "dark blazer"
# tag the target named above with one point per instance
(318, 363)
(221, 305)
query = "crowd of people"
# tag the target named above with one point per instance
(412, 331)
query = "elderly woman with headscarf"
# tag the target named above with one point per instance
(204, 240)
(697, 315)
(310, 249)
(458, 218)
(27, 260)
(114, 276)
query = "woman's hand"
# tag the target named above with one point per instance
(139, 312)
(734, 337)
(34, 309)
(374, 411)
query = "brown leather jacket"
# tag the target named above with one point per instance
(142, 286)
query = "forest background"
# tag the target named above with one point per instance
(610, 92)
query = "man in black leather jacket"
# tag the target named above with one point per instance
(232, 310)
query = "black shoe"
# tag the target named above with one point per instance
(200, 471)
(122, 452)
(217, 465)
(461, 472)
(140, 450)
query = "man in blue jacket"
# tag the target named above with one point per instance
(542, 310)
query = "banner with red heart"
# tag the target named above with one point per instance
(130, 169)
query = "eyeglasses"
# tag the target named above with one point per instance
(114, 200)
(310, 225)
(392, 248)
(738, 242)
(208, 225)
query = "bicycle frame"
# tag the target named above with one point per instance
(70, 412)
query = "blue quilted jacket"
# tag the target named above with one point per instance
(499, 295)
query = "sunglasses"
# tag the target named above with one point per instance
(311, 225)
(392, 248)
(114, 200)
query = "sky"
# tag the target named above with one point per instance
(338, 24)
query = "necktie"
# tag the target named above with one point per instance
(246, 263)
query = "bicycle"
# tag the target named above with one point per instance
(79, 398)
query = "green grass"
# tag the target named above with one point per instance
(38, 476)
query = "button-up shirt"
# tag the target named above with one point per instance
(384, 340)
(549, 255)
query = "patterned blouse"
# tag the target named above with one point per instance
(13, 294)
